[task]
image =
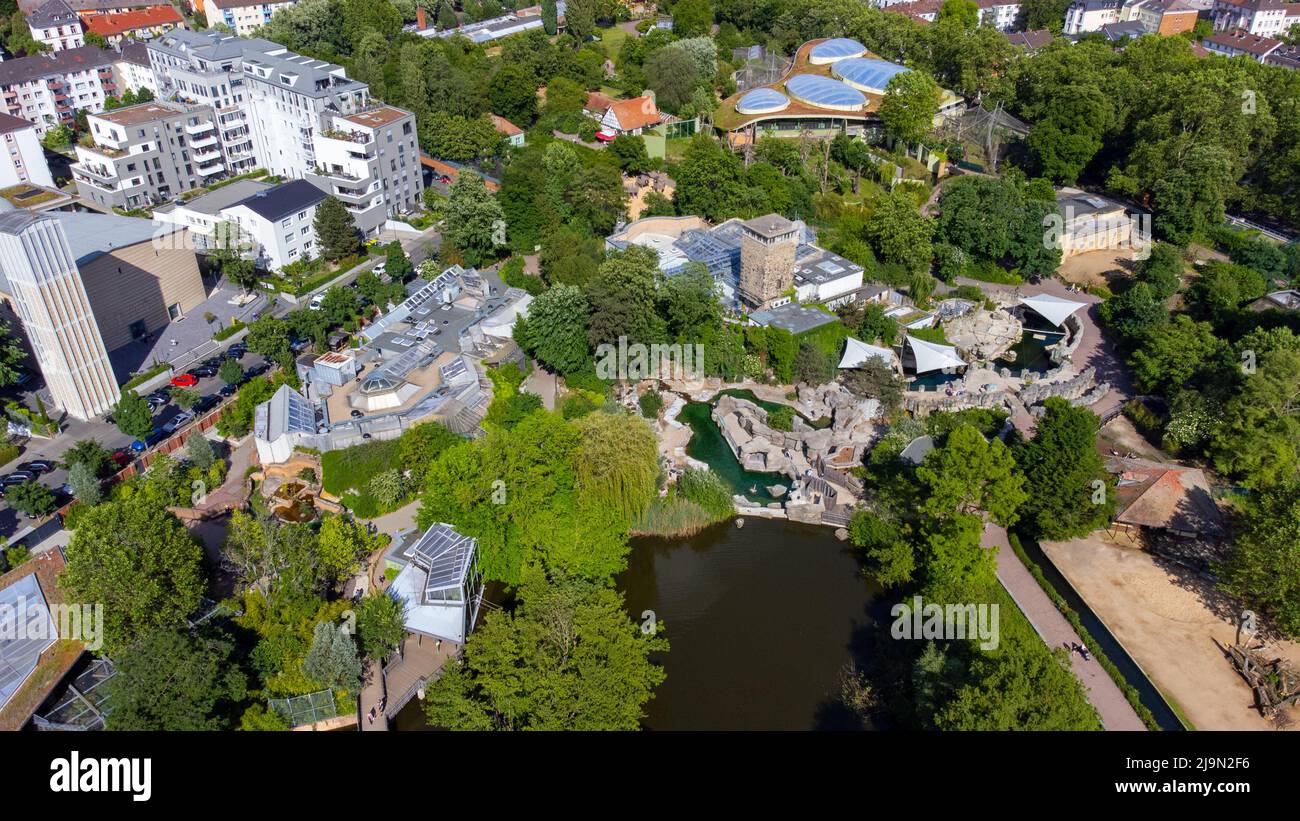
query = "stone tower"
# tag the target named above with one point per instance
(767, 249)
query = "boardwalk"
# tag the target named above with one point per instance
(1115, 711)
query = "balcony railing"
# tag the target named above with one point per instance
(204, 142)
(199, 128)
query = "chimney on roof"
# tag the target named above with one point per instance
(420, 22)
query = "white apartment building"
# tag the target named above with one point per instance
(279, 223)
(1090, 15)
(1000, 14)
(243, 16)
(1263, 18)
(202, 214)
(148, 153)
(56, 25)
(22, 160)
(48, 89)
(50, 299)
(133, 69)
(370, 161)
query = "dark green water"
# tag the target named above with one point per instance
(1031, 354)
(760, 620)
(708, 446)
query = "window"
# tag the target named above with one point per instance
(174, 311)
(284, 223)
(302, 215)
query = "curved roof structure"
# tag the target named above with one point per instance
(1053, 308)
(857, 352)
(867, 73)
(762, 101)
(837, 48)
(823, 92)
(931, 356)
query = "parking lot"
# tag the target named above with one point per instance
(106, 433)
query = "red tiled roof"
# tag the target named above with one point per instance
(111, 25)
(505, 126)
(638, 112)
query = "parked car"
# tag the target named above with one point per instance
(18, 477)
(228, 390)
(177, 422)
(381, 267)
(257, 370)
(356, 414)
(297, 345)
(236, 352)
(36, 466)
(185, 380)
(316, 302)
(204, 371)
(206, 404)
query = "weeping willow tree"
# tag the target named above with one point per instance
(617, 463)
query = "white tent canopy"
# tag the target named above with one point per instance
(857, 352)
(931, 356)
(1054, 308)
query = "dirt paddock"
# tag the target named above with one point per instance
(1167, 618)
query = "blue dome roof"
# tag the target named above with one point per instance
(836, 49)
(762, 101)
(867, 73)
(824, 92)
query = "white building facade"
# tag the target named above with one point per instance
(50, 298)
(22, 159)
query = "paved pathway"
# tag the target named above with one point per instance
(1115, 711)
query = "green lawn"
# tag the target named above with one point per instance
(611, 40)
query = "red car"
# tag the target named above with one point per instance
(185, 380)
(120, 458)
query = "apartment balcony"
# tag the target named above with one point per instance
(214, 167)
(337, 173)
(97, 175)
(207, 156)
(199, 128)
(204, 142)
(354, 196)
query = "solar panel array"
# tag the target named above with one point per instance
(824, 92)
(445, 555)
(452, 369)
(28, 630)
(300, 416)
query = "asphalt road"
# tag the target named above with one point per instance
(106, 433)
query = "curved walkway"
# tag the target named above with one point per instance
(1106, 697)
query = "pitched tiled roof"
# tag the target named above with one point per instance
(286, 198)
(52, 63)
(52, 14)
(638, 112)
(111, 25)
(505, 126)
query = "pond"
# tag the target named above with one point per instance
(1031, 352)
(761, 621)
(708, 445)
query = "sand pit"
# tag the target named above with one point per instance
(1167, 618)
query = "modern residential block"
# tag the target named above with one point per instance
(22, 159)
(279, 222)
(148, 153)
(48, 89)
